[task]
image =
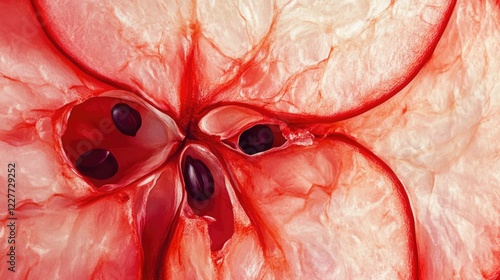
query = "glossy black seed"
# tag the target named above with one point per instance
(126, 119)
(256, 139)
(198, 179)
(97, 163)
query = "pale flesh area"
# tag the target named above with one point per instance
(440, 135)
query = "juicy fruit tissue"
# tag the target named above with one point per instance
(250, 139)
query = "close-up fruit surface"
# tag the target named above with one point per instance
(250, 139)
